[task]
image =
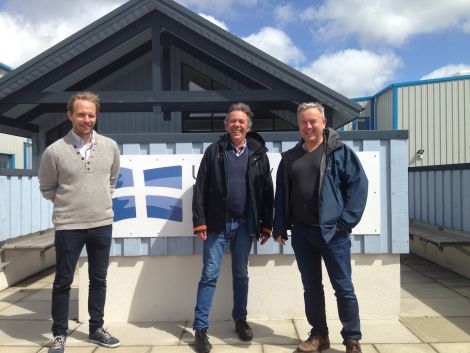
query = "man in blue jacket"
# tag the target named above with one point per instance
(232, 205)
(321, 193)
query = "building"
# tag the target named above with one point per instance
(436, 113)
(15, 152)
(165, 77)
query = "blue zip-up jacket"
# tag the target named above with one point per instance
(211, 188)
(343, 189)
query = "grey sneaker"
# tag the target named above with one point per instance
(57, 345)
(103, 338)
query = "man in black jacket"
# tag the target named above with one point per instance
(232, 205)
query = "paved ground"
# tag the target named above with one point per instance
(435, 317)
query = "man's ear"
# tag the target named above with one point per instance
(69, 115)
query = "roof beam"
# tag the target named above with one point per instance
(164, 97)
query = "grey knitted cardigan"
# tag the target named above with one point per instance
(81, 189)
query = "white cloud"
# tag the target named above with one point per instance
(277, 44)
(285, 14)
(466, 26)
(354, 73)
(219, 6)
(30, 27)
(388, 22)
(214, 21)
(448, 70)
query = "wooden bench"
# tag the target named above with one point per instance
(38, 241)
(439, 236)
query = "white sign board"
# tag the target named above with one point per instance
(153, 195)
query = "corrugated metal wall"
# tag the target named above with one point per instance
(437, 116)
(23, 211)
(22, 208)
(441, 197)
(384, 106)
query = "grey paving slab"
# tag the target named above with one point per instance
(405, 348)
(3, 305)
(404, 268)
(465, 291)
(441, 274)
(339, 348)
(123, 349)
(265, 332)
(46, 294)
(426, 267)
(267, 348)
(11, 295)
(135, 334)
(27, 332)
(373, 331)
(32, 285)
(419, 307)
(452, 347)
(224, 348)
(10, 349)
(414, 277)
(34, 310)
(69, 349)
(454, 282)
(439, 329)
(27, 310)
(427, 290)
(172, 349)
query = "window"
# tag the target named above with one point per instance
(193, 80)
(7, 161)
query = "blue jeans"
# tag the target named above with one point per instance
(236, 234)
(309, 248)
(68, 246)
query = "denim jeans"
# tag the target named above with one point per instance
(68, 246)
(236, 234)
(309, 248)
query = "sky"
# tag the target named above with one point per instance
(356, 47)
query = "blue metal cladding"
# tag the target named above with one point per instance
(440, 197)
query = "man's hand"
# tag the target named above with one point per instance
(280, 240)
(202, 235)
(264, 238)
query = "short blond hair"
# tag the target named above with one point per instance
(86, 96)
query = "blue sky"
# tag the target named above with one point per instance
(356, 47)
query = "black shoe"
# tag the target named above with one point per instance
(57, 345)
(202, 341)
(244, 330)
(103, 338)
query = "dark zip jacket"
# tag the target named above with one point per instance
(342, 190)
(211, 188)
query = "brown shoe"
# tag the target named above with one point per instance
(313, 343)
(352, 346)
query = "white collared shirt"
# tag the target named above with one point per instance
(238, 151)
(84, 148)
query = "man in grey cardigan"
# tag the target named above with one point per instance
(78, 174)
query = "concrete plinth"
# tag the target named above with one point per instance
(163, 288)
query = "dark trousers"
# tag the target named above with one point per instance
(309, 248)
(68, 246)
